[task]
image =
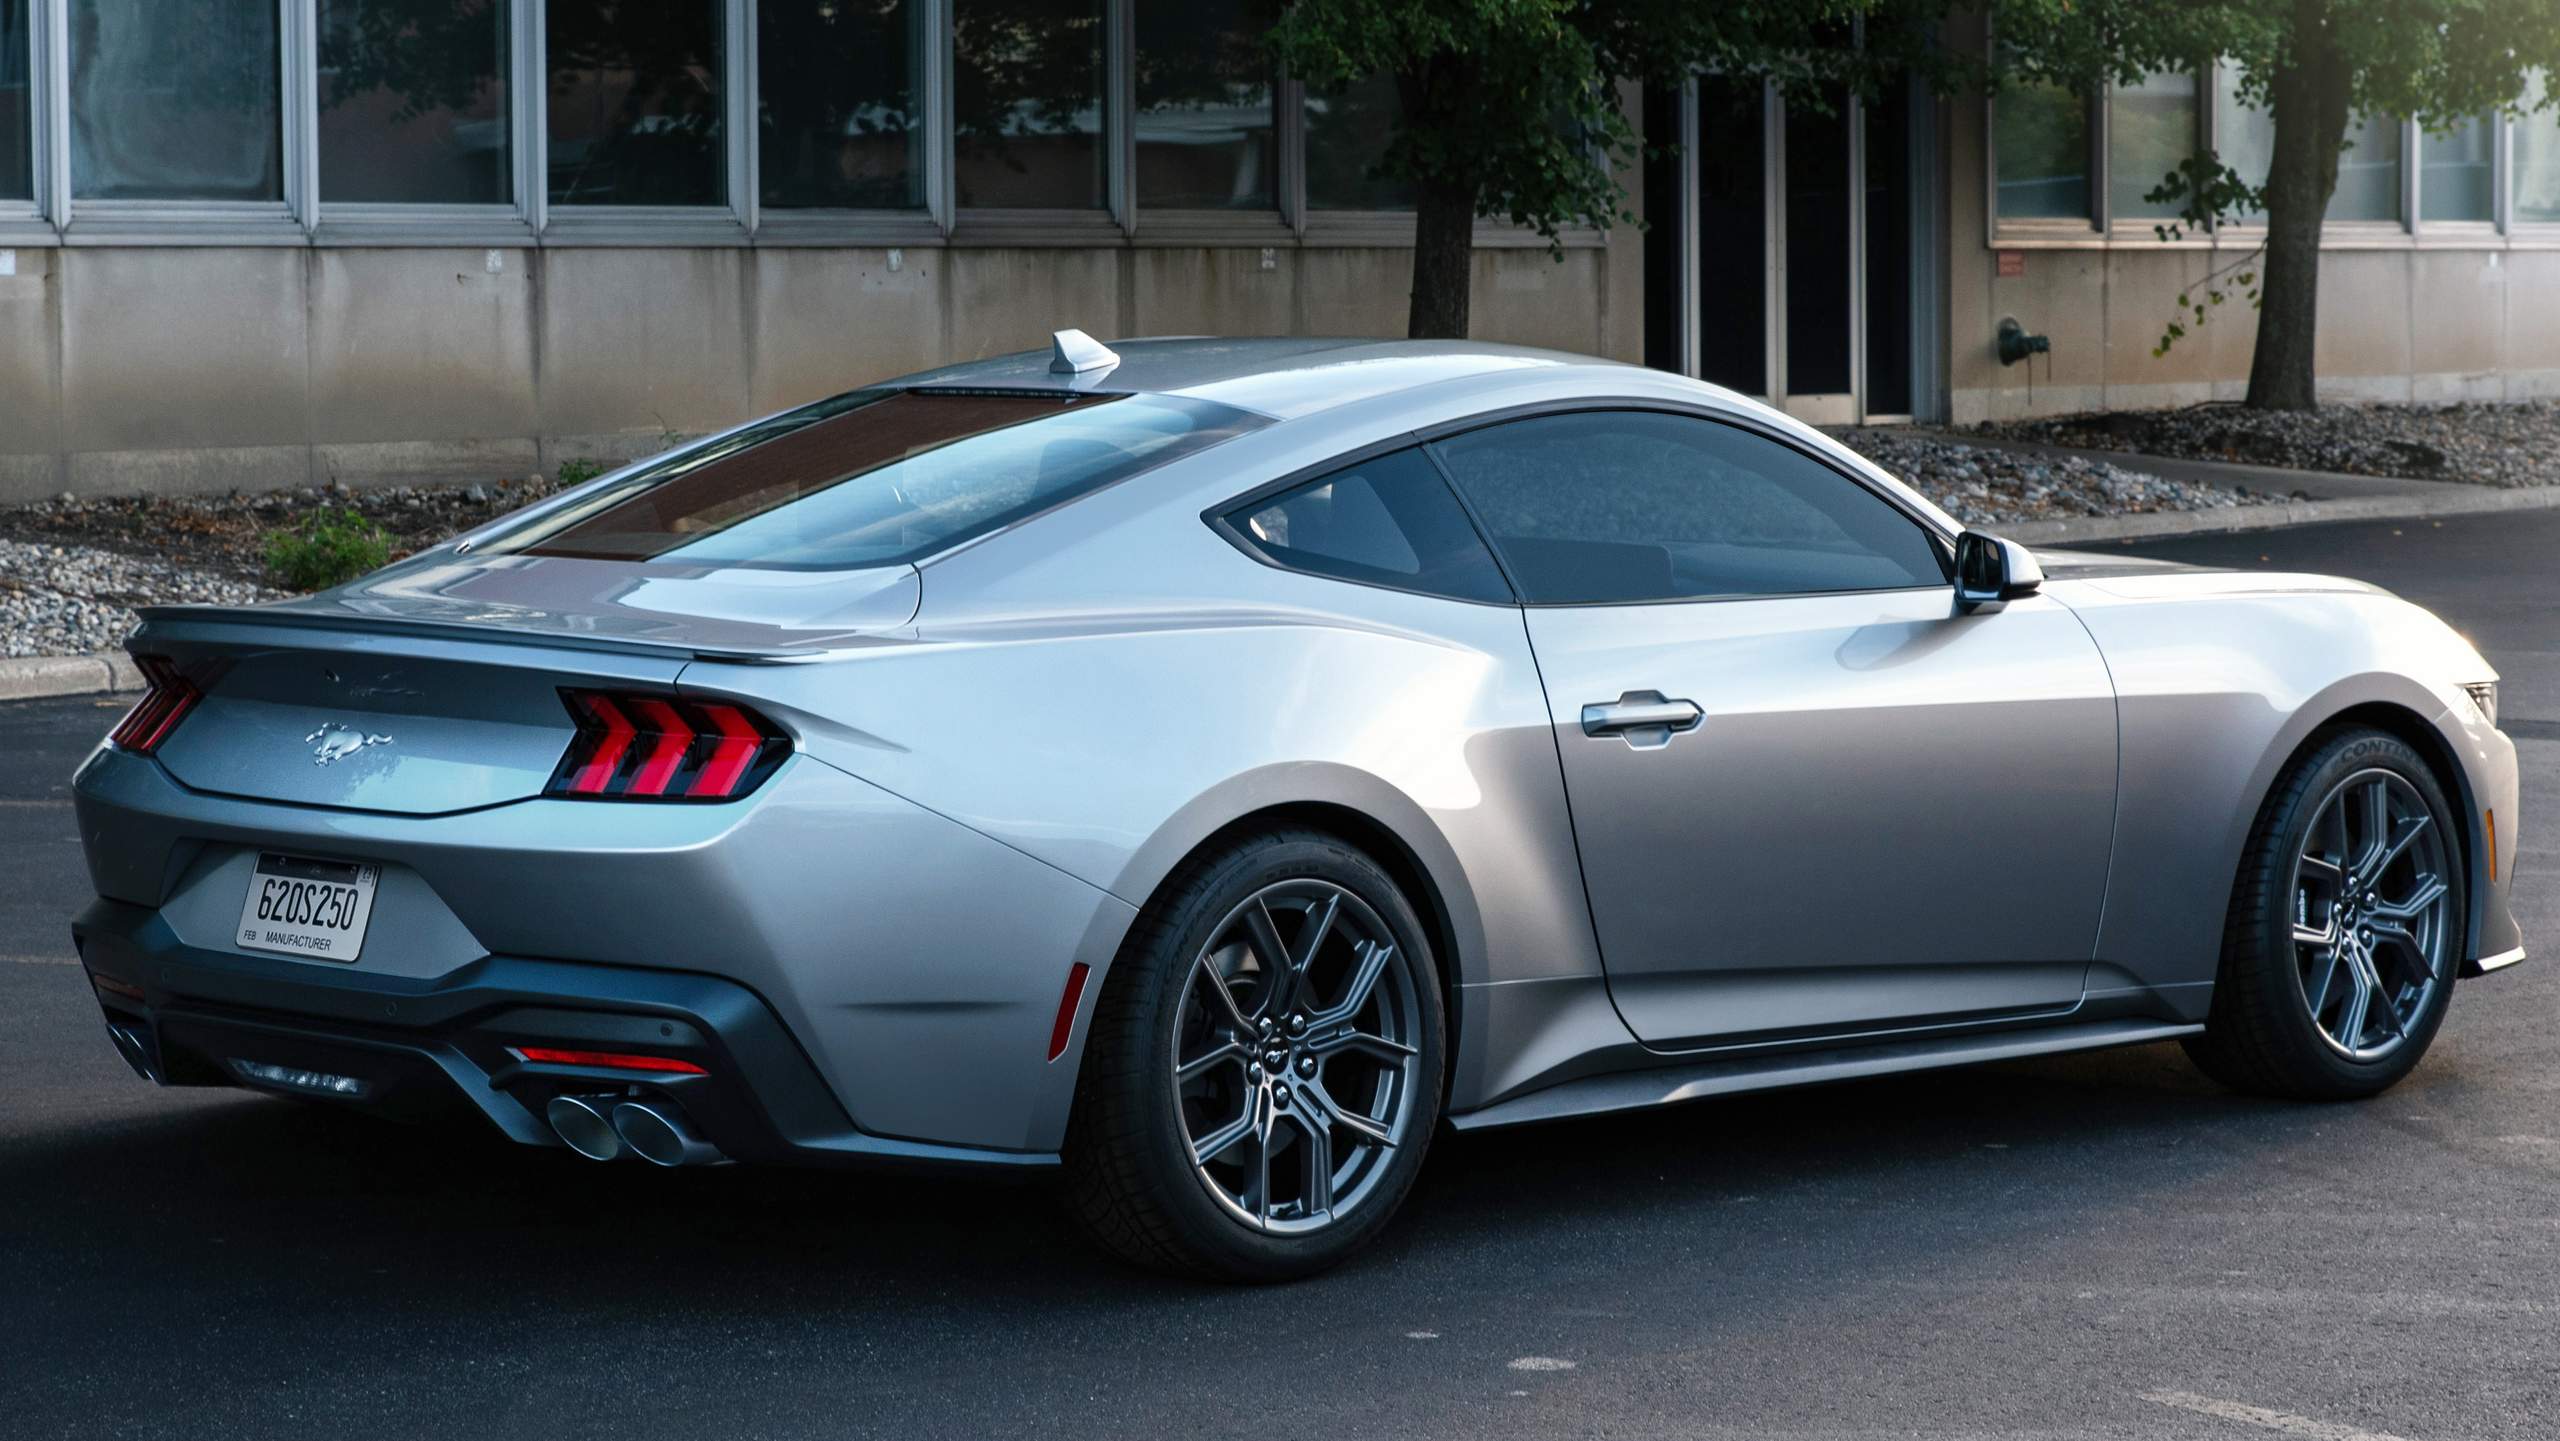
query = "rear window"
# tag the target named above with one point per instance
(879, 477)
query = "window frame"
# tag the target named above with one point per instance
(182, 222)
(306, 217)
(2542, 232)
(2412, 230)
(23, 220)
(1174, 225)
(1220, 518)
(1941, 540)
(443, 222)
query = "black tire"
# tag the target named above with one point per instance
(1130, 1182)
(2260, 1036)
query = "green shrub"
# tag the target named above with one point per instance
(579, 472)
(328, 548)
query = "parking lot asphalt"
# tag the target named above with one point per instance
(2097, 1246)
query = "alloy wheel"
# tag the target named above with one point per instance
(2371, 913)
(1296, 1056)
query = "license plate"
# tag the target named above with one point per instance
(303, 907)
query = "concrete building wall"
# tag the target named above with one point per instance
(205, 368)
(2432, 318)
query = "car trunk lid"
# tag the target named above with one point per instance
(438, 686)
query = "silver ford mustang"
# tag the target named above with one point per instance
(1205, 769)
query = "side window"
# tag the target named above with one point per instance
(1388, 521)
(1625, 505)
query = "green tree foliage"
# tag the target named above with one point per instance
(2315, 64)
(1511, 108)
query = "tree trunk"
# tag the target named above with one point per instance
(2309, 96)
(1444, 228)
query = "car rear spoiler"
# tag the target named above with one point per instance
(253, 626)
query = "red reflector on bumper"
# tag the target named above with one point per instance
(1067, 1003)
(616, 1060)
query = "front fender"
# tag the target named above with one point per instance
(2221, 680)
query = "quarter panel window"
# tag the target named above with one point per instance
(1604, 506)
(1388, 521)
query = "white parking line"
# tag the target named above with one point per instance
(2260, 1416)
(41, 960)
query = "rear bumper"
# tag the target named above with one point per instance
(419, 1047)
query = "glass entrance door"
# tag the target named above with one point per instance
(1802, 241)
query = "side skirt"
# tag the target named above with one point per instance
(1670, 1085)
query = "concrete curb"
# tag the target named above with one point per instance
(37, 676)
(2451, 500)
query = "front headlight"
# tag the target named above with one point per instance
(2484, 699)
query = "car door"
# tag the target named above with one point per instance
(1810, 798)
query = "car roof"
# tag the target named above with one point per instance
(1281, 377)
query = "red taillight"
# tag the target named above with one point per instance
(165, 704)
(633, 747)
(612, 1060)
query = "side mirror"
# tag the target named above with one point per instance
(1990, 572)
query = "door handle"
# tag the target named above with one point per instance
(1643, 718)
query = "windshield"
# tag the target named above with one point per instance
(879, 477)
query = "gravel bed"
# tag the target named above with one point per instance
(226, 534)
(74, 599)
(2500, 445)
(1980, 485)
(71, 570)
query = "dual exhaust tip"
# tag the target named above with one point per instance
(605, 1128)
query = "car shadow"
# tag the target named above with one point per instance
(339, 1260)
(211, 1188)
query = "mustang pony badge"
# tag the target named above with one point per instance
(338, 742)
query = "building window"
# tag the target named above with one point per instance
(637, 101)
(1027, 81)
(1347, 135)
(2244, 135)
(2040, 132)
(2457, 176)
(1204, 106)
(842, 124)
(2369, 171)
(413, 102)
(17, 114)
(2537, 158)
(170, 109)
(2151, 130)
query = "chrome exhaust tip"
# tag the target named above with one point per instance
(583, 1125)
(136, 1052)
(658, 1133)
